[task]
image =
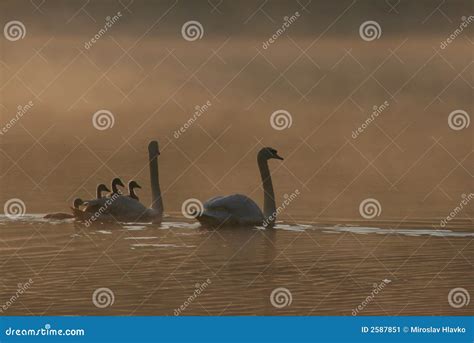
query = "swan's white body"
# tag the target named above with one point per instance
(124, 208)
(231, 210)
(240, 210)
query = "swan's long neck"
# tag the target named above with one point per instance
(157, 201)
(269, 206)
(115, 189)
(100, 189)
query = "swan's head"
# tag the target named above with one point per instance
(77, 202)
(102, 188)
(133, 184)
(268, 153)
(117, 182)
(153, 149)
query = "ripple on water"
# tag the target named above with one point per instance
(138, 238)
(104, 232)
(404, 232)
(245, 266)
(153, 245)
(361, 230)
(134, 227)
(329, 229)
(179, 225)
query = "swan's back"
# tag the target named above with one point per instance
(235, 209)
(122, 208)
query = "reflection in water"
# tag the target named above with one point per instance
(152, 270)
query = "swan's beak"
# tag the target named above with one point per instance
(278, 157)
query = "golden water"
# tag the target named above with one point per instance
(153, 270)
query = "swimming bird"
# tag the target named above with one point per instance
(77, 203)
(126, 209)
(240, 210)
(89, 213)
(116, 182)
(76, 207)
(131, 193)
(101, 188)
(61, 215)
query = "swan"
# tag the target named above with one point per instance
(61, 215)
(131, 193)
(116, 182)
(101, 188)
(240, 210)
(125, 208)
(77, 203)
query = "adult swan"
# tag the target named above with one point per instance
(126, 209)
(240, 210)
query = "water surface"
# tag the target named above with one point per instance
(329, 269)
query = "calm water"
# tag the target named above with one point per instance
(329, 80)
(328, 268)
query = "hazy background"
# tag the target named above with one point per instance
(320, 70)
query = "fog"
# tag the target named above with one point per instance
(320, 71)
